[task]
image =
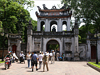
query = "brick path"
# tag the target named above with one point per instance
(58, 68)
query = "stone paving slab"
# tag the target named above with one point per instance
(58, 68)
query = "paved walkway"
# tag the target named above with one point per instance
(58, 68)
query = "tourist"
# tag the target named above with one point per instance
(28, 58)
(57, 56)
(45, 62)
(63, 56)
(40, 59)
(22, 58)
(47, 55)
(10, 56)
(42, 53)
(53, 57)
(34, 60)
(15, 56)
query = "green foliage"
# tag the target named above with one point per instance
(87, 10)
(83, 30)
(2, 61)
(1, 27)
(54, 46)
(94, 64)
(14, 18)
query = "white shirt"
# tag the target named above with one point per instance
(50, 54)
(28, 56)
(47, 54)
(22, 55)
(15, 55)
(40, 57)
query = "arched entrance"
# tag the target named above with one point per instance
(53, 45)
(14, 48)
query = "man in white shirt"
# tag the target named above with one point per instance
(14, 57)
(40, 60)
(53, 57)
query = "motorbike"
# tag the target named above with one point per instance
(22, 60)
(7, 63)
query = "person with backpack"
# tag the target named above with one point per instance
(34, 60)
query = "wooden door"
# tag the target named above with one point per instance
(93, 52)
(14, 48)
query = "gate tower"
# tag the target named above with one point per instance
(67, 40)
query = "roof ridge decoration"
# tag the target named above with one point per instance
(44, 6)
(54, 7)
(63, 7)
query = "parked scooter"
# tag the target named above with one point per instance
(7, 63)
(22, 60)
(22, 57)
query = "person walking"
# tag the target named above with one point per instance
(57, 56)
(45, 62)
(34, 60)
(40, 60)
(48, 55)
(53, 57)
(28, 58)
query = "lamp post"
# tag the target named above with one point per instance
(96, 49)
(96, 35)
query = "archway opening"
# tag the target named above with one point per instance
(53, 45)
(42, 26)
(64, 26)
(53, 26)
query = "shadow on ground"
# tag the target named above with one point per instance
(2, 68)
(30, 71)
(20, 63)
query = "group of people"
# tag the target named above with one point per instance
(35, 58)
(41, 58)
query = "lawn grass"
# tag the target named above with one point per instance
(2, 61)
(94, 64)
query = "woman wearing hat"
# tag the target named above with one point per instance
(45, 62)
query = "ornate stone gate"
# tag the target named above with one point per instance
(68, 40)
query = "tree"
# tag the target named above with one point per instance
(14, 17)
(54, 46)
(83, 30)
(87, 10)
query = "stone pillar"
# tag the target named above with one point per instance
(98, 48)
(88, 50)
(46, 25)
(59, 27)
(76, 50)
(68, 24)
(38, 25)
(29, 43)
(18, 47)
(29, 37)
